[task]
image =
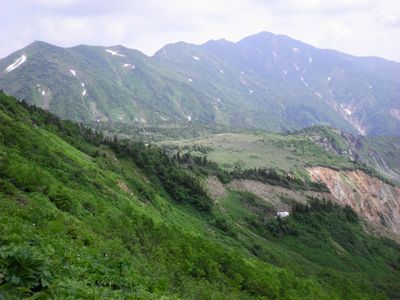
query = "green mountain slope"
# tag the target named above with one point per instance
(88, 83)
(383, 153)
(305, 85)
(263, 81)
(377, 152)
(84, 217)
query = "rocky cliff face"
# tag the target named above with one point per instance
(376, 201)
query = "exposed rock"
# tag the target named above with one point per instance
(370, 197)
(352, 144)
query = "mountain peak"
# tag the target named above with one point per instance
(265, 80)
(42, 44)
(261, 34)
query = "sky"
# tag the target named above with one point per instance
(358, 27)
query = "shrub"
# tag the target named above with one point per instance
(62, 199)
(21, 269)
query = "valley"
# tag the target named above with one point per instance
(264, 168)
(87, 216)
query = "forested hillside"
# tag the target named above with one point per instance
(84, 216)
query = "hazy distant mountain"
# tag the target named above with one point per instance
(265, 81)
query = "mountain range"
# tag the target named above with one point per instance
(263, 81)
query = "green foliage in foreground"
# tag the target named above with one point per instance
(86, 218)
(321, 238)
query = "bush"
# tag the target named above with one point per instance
(22, 270)
(221, 224)
(180, 184)
(62, 199)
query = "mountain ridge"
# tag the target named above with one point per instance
(263, 81)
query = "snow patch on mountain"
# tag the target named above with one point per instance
(84, 92)
(348, 111)
(318, 94)
(19, 61)
(73, 72)
(285, 72)
(114, 52)
(196, 57)
(189, 118)
(221, 71)
(310, 60)
(163, 118)
(82, 84)
(274, 54)
(251, 91)
(190, 79)
(296, 66)
(128, 66)
(361, 131)
(305, 83)
(43, 92)
(295, 49)
(329, 78)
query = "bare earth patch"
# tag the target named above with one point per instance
(123, 186)
(273, 194)
(215, 188)
(370, 197)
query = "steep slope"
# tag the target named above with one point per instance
(251, 99)
(381, 153)
(263, 81)
(86, 83)
(87, 217)
(377, 201)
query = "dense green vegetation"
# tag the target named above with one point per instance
(152, 134)
(84, 216)
(178, 183)
(321, 237)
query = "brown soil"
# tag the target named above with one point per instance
(370, 197)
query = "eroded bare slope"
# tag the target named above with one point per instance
(370, 197)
